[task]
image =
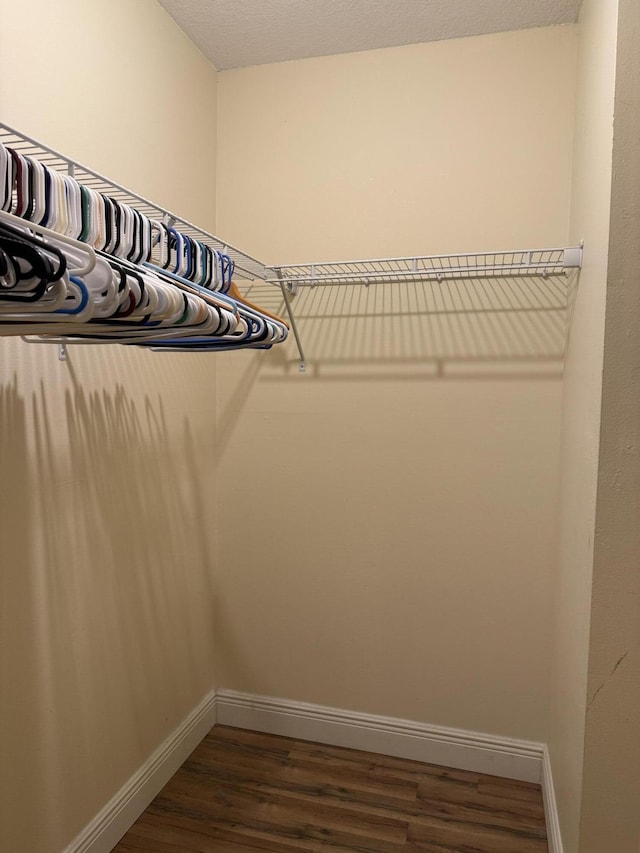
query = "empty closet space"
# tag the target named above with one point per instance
(345, 590)
(245, 791)
(412, 574)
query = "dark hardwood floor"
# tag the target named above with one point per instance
(244, 791)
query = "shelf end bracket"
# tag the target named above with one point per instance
(572, 257)
(302, 367)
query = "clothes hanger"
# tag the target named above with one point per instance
(234, 293)
(21, 179)
(57, 203)
(8, 271)
(40, 281)
(36, 265)
(94, 227)
(33, 183)
(27, 229)
(165, 304)
(160, 244)
(188, 300)
(6, 178)
(85, 202)
(74, 209)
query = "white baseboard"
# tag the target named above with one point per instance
(464, 750)
(554, 838)
(121, 812)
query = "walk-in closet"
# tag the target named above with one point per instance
(319, 428)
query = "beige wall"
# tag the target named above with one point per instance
(130, 96)
(386, 529)
(413, 147)
(590, 202)
(611, 784)
(106, 623)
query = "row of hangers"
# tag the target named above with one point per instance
(75, 262)
(33, 191)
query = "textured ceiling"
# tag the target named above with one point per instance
(235, 33)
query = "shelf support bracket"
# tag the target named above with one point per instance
(294, 328)
(573, 257)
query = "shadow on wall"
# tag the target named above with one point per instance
(461, 328)
(106, 605)
(230, 409)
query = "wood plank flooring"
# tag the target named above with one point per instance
(244, 791)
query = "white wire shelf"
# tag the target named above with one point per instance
(246, 267)
(554, 264)
(521, 263)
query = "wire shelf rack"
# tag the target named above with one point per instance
(555, 264)
(521, 263)
(246, 267)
